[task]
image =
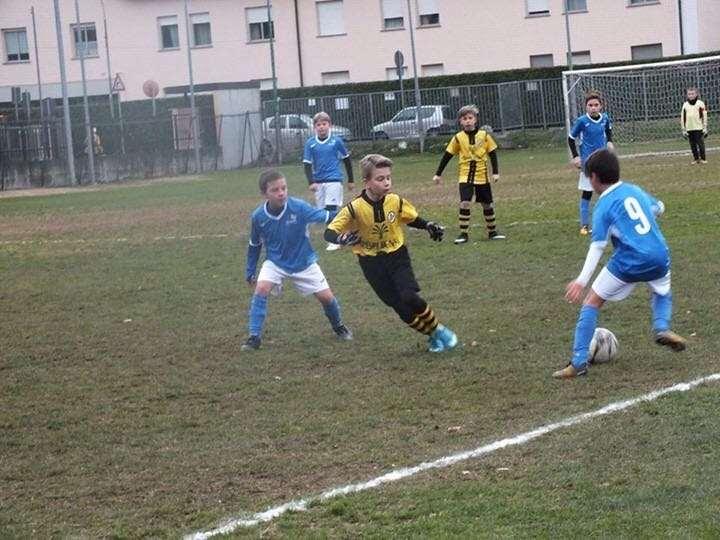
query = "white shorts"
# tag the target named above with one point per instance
(608, 287)
(329, 194)
(584, 183)
(308, 281)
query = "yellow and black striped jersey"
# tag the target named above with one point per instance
(472, 150)
(378, 223)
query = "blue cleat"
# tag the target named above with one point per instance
(435, 345)
(446, 336)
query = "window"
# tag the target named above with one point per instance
(391, 74)
(646, 52)
(432, 70)
(642, 2)
(392, 12)
(260, 26)
(169, 32)
(428, 12)
(541, 60)
(84, 39)
(335, 77)
(536, 8)
(201, 36)
(16, 46)
(576, 5)
(266, 84)
(330, 18)
(581, 57)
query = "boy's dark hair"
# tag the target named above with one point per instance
(371, 162)
(593, 94)
(605, 165)
(268, 176)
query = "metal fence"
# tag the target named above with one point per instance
(504, 106)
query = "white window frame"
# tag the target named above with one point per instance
(165, 20)
(634, 48)
(82, 28)
(335, 73)
(431, 67)
(250, 20)
(392, 13)
(327, 32)
(6, 53)
(392, 75)
(532, 8)
(202, 17)
(581, 53)
(640, 3)
(575, 10)
(427, 8)
(546, 55)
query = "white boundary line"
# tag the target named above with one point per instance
(399, 474)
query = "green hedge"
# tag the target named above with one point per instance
(462, 79)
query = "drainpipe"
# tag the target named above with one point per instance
(297, 36)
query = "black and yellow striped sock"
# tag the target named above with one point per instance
(425, 322)
(489, 214)
(464, 219)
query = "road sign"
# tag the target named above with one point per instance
(118, 85)
(399, 60)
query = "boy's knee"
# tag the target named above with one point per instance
(263, 288)
(587, 195)
(465, 205)
(488, 205)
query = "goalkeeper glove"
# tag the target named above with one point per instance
(436, 231)
(348, 239)
(685, 134)
(705, 134)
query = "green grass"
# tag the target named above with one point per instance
(127, 408)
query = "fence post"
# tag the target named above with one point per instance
(499, 99)
(372, 117)
(542, 103)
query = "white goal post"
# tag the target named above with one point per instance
(644, 100)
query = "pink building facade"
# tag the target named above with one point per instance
(332, 41)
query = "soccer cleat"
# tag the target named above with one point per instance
(251, 344)
(703, 161)
(446, 336)
(462, 238)
(670, 339)
(584, 230)
(343, 333)
(494, 235)
(694, 162)
(570, 372)
(333, 247)
(435, 345)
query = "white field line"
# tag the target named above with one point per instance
(399, 474)
(664, 153)
(110, 240)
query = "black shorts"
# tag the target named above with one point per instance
(389, 274)
(482, 192)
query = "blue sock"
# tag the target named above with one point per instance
(662, 311)
(584, 211)
(332, 312)
(256, 317)
(584, 330)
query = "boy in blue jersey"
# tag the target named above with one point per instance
(281, 223)
(322, 156)
(593, 131)
(626, 215)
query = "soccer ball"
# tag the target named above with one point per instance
(603, 347)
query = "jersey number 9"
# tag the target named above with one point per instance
(636, 213)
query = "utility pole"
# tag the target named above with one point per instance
(37, 63)
(276, 99)
(418, 104)
(90, 146)
(195, 123)
(567, 35)
(107, 61)
(63, 85)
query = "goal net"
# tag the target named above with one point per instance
(644, 100)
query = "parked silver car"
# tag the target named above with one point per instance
(295, 129)
(434, 119)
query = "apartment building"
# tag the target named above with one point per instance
(331, 41)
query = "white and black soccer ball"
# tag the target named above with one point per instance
(604, 347)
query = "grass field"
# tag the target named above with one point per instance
(127, 409)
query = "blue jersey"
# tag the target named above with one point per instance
(590, 134)
(285, 236)
(625, 214)
(325, 157)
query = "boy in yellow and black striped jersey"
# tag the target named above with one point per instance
(473, 146)
(372, 224)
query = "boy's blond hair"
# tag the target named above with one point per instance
(468, 109)
(371, 162)
(322, 115)
(593, 94)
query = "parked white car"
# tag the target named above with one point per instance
(295, 129)
(434, 119)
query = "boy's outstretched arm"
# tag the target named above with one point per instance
(435, 230)
(574, 152)
(444, 160)
(253, 255)
(349, 171)
(574, 289)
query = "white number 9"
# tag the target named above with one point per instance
(636, 213)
